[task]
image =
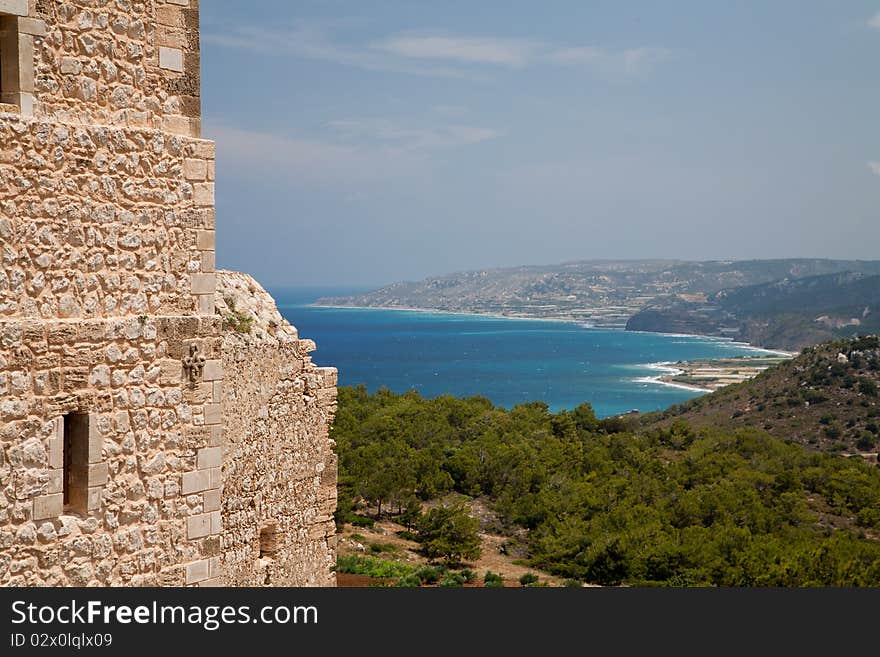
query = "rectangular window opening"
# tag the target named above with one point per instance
(9, 65)
(268, 540)
(76, 462)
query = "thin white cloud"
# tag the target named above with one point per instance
(355, 151)
(874, 21)
(400, 135)
(312, 43)
(472, 50)
(251, 153)
(874, 167)
(629, 61)
(437, 56)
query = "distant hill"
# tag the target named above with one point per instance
(788, 314)
(827, 398)
(655, 295)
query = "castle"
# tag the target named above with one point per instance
(160, 423)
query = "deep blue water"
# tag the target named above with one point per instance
(507, 360)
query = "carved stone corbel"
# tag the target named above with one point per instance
(194, 364)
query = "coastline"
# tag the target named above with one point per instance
(567, 320)
(462, 313)
(666, 369)
(711, 374)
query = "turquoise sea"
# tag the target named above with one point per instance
(507, 360)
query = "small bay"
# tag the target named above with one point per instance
(509, 361)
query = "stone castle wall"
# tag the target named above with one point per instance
(105, 62)
(107, 284)
(279, 493)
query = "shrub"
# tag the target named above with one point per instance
(428, 575)
(237, 321)
(409, 581)
(529, 579)
(866, 441)
(867, 387)
(362, 521)
(449, 533)
(452, 580)
(372, 567)
(572, 583)
(492, 580)
(378, 548)
(832, 431)
(468, 575)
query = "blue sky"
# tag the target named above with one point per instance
(366, 142)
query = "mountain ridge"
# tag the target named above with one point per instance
(669, 296)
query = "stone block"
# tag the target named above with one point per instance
(96, 440)
(205, 240)
(206, 304)
(213, 370)
(218, 392)
(99, 474)
(195, 170)
(196, 571)
(208, 264)
(210, 457)
(170, 16)
(216, 477)
(32, 26)
(179, 125)
(56, 444)
(173, 37)
(14, 7)
(48, 506)
(95, 496)
(216, 436)
(216, 522)
(198, 526)
(56, 482)
(204, 149)
(196, 481)
(213, 582)
(26, 103)
(203, 194)
(212, 500)
(213, 414)
(203, 283)
(171, 59)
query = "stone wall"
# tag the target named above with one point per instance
(112, 357)
(106, 283)
(105, 62)
(104, 222)
(279, 469)
(148, 434)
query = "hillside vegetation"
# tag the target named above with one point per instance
(827, 398)
(787, 314)
(609, 502)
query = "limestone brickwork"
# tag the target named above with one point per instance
(112, 354)
(279, 467)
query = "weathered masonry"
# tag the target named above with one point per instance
(145, 439)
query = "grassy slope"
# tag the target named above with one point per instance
(816, 399)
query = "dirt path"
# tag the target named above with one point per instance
(383, 535)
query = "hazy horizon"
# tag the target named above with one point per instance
(352, 285)
(366, 144)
